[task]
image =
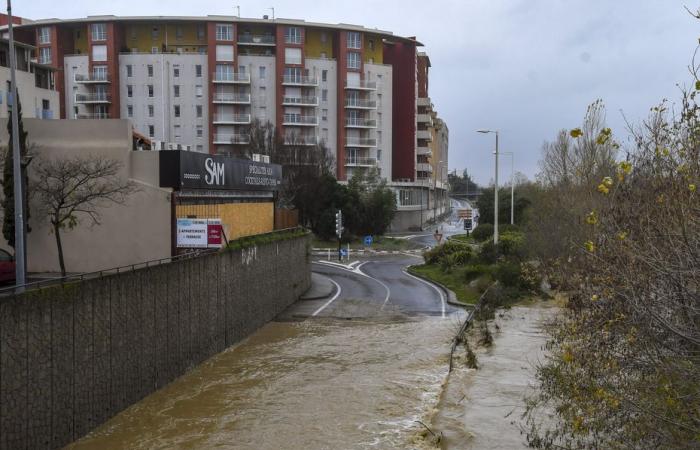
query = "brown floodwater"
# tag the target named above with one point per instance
(316, 384)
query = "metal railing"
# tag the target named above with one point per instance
(93, 98)
(232, 98)
(231, 77)
(360, 142)
(424, 134)
(361, 161)
(301, 140)
(299, 81)
(94, 78)
(296, 119)
(262, 39)
(369, 85)
(359, 103)
(231, 139)
(360, 122)
(232, 118)
(424, 167)
(300, 101)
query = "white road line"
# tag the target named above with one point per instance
(388, 291)
(329, 301)
(439, 291)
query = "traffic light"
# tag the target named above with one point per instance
(339, 223)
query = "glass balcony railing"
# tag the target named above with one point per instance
(360, 161)
(356, 122)
(231, 77)
(360, 103)
(296, 119)
(98, 77)
(300, 101)
(231, 98)
(232, 118)
(256, 39)
(224, 139)
(299, 81)
(360, 142)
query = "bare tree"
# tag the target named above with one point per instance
(71, 187)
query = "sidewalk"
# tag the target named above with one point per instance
(321, 287)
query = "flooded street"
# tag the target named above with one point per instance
(314, 384)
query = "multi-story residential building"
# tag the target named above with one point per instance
(202, 81)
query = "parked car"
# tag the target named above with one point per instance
(7, 266)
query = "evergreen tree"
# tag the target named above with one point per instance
(8, 202)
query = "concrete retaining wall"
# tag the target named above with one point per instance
(72, 356)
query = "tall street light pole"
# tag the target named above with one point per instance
(512, 185)
(495, 190)
(17, 163)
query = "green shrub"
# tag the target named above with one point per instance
(512, 244)
(508, 274)
(439, 253)
(483, 232)
(474, 271)
(488, 254)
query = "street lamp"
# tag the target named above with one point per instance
(495, 190)
(512, 185)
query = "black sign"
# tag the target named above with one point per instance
(467, 224)
(193, 170)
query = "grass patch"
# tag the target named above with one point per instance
(453, 280)
(463, 238)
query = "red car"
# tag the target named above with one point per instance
(7, 267)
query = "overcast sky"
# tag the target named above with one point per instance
(525, 67)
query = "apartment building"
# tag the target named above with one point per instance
(202, 82)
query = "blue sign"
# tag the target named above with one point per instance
(368, 240)
(343, 252)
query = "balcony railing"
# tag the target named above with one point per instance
(93, 98)
(355, 122)
(232, 98)
(424, 118)
(43, 60)
(424, 167)
(360, 142)
(300, 101)
(292, 39)
(360, 104)
(424, 151)
(424, 135)
(234, 119)
(94, 78)
(296, 119)
(291, 80)
(361, 85)
(301, 140)
(92, 116)
(256, 39)
(360, 162)
(231, 77)
(224, 139)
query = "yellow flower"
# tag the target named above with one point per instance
(576, 132)
(626, 167)
(691, 187)
(603, 189)
(594, 297)
(660, 199)
(607, 181)
(590, 246)
(622, 235)
(665, 152)
(592, 218)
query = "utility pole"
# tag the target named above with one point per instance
(20, 275)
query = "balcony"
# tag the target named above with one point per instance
(424, 151)
(299, 120)
(424, 167)
(360, 162)
(231, 78)
(360, 142)
(95, 78)
(92, 116)
(424, 101)
(256, 39)
(231, 119)
(360, 104)
(300, 101)
(425, 118)
(93, 98)
(361, 85)
(227, 139)
(301, 140)
(355, 122)
(232, 99)
(424, 135)
(289, 80)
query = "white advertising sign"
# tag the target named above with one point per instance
(192, 233)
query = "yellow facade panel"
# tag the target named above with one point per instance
(374, 52)
(144, 36)
(318, 43)
(80, 42)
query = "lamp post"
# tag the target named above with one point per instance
(495, 190)
(512, 185)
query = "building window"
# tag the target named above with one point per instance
(292, 74)
(292, 35)
(223, 72)
(262, 72)
(45, 55)
(177, 133)
(198, 70)
(198, 110)
(129, 111)
(198, 91)
(129, 90)
(353, 60)
(354, 39)
(324, 95)
(129, 70)
(201, 32)
(176, 72)
(149, 69)
(99, 73)
(292, 56)
(99, 53)
(99, 31)
(176, 90)
(200, 148)
(155, 33)
(379, 154)
(179, 33)
(200, 131)
(224, 32)
(44, 35)
(224, 52)
(151, 131)
(324, 75)
(151, 111)
(370, 45)
(150, 90)
(324, 37)
(176, 110)
(324, 114)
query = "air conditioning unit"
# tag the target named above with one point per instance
(257, 157)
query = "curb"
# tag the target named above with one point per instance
(319, 297)
(451, 296)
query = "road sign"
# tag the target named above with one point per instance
(343, 252)
(368, 240)
(464, 213)
(467, 224)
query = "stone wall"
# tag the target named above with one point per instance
(74, 355)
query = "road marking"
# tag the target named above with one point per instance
(388, 291)
(439, 291)
(329, 301)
